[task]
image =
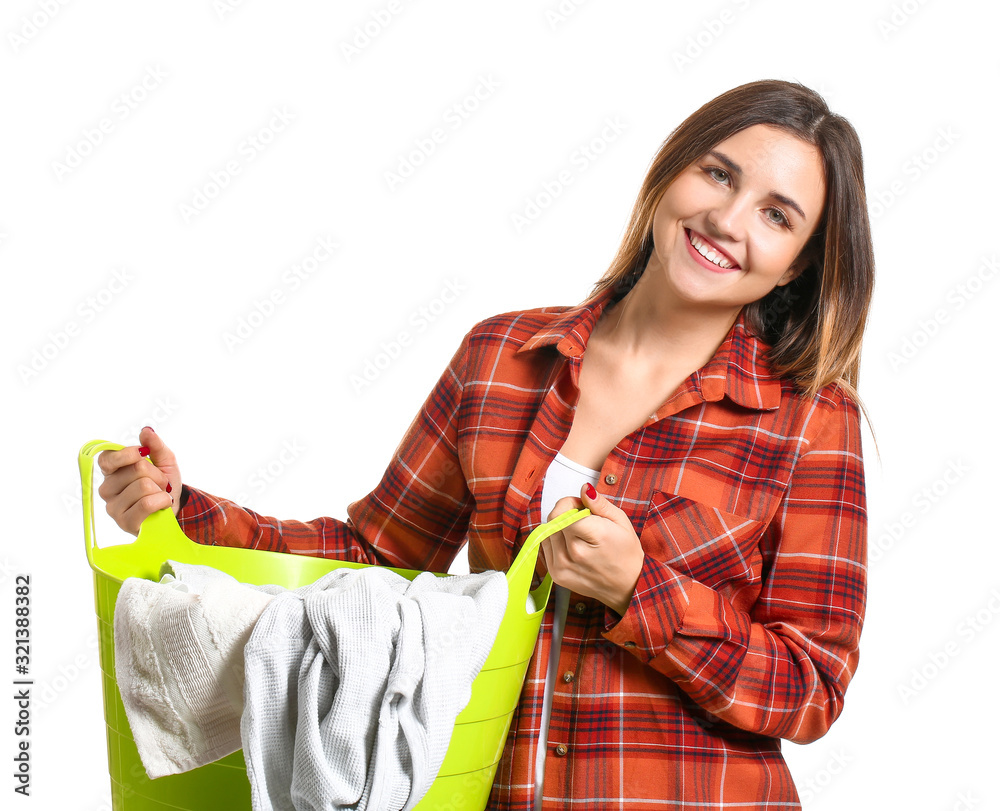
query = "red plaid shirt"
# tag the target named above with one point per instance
(749, 501)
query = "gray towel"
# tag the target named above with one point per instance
(353, 684)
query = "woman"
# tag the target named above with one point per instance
(701, 403)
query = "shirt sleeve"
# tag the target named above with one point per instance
(416, 517)
(780, 669)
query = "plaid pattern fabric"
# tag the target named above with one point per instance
(749, 501)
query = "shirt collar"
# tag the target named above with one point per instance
(738, 370)
(569, 329)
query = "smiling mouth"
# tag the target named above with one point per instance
(708, 253)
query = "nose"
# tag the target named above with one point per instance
(729, 217)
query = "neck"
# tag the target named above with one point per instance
(651, 324)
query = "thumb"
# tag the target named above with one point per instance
(159, 454)
(599, 505)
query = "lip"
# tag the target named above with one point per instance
(715, 247)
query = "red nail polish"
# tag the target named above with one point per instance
(143, 451)
(151, 428)
(591, 492)
(169, 489)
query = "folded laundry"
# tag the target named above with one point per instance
(342, 693)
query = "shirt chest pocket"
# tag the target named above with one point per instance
(712, 546)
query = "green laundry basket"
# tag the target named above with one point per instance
(466, 775)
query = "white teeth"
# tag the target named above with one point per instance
(708, 253)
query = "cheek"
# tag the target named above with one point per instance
(661, 229)
(773, 254)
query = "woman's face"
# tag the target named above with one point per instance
(751, 204)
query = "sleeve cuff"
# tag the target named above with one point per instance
(653, 616)
(193, 504)
(200, 517)
(185, 495)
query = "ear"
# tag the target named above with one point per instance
(792, 273)
(801, 263)
(811, 252)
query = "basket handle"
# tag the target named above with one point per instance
(521, 570)
(163, 521)
(540, 533)
(86, 460)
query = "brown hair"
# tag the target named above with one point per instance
(814, 324)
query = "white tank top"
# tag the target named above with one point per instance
(563, 478)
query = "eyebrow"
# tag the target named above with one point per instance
(735, 169)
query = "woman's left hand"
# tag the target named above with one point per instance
(598, 556)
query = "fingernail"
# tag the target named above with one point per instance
(143, 451)
(591, 492)
(170, 489)
(150, 427)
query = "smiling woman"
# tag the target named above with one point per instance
(814, 322)
(701, 404)
(740, 208)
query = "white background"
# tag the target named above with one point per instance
(86, 356)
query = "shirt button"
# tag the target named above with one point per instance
(568, 676)
(561, 750)
(580, 607)
(611, 478)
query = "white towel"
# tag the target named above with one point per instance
(179, 663)
(353, 685)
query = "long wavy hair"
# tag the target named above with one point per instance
(814, 325)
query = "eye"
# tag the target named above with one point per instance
(717, 174)
(781, 218)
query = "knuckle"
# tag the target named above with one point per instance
(147, 486)
(148, 505)
(104, 462)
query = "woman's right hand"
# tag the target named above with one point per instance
(133, 488)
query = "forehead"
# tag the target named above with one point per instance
(776, 160)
